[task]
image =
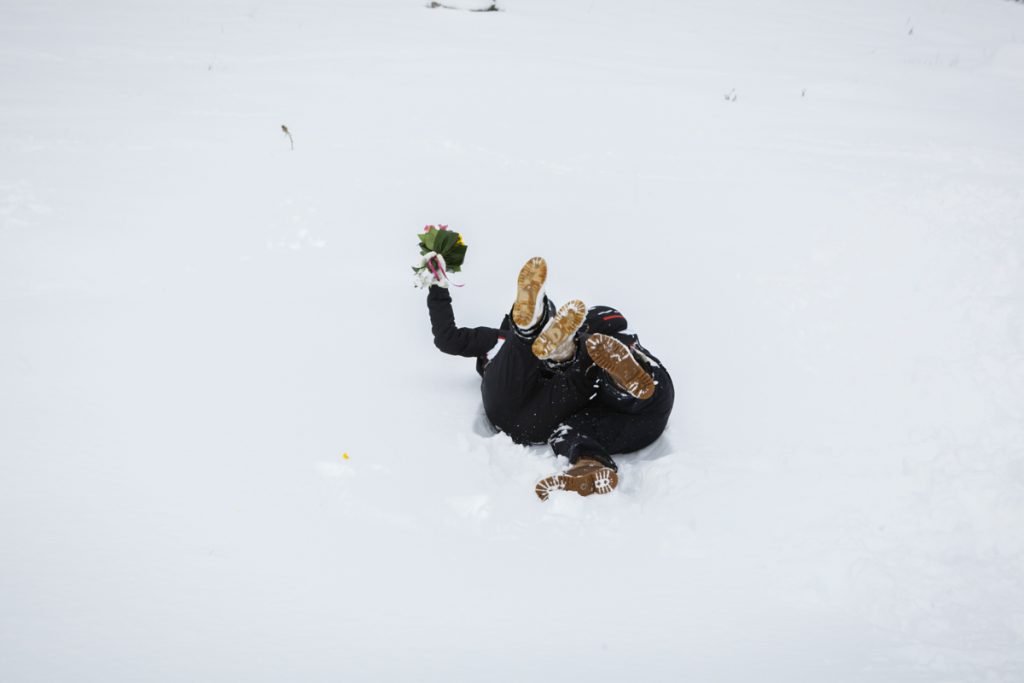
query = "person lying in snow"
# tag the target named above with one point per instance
(576, 379)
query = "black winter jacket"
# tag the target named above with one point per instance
(477, 342)
(471, 342)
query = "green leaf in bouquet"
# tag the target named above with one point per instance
(456, 257)
(428, 239)
(444, 241)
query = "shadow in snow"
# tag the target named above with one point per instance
(657, 450)
(482, 426)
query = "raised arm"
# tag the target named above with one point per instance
(470, 342)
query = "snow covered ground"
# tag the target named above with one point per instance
(813, 211)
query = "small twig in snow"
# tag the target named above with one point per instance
(286, 132)
(493, 7)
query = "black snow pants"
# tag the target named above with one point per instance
(525, 398)
(615, 422)
(577, 408)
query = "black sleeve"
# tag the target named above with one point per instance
(458, 341)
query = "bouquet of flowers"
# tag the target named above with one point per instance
(442, 251)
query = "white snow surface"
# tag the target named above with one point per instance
(811, 211)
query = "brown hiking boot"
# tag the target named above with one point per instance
(612, 356)
(585, 477)
(552, 341)
(529, 293)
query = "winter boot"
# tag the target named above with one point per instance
(529, 306)
(557, 340)
(612, 356)
(585, 477)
